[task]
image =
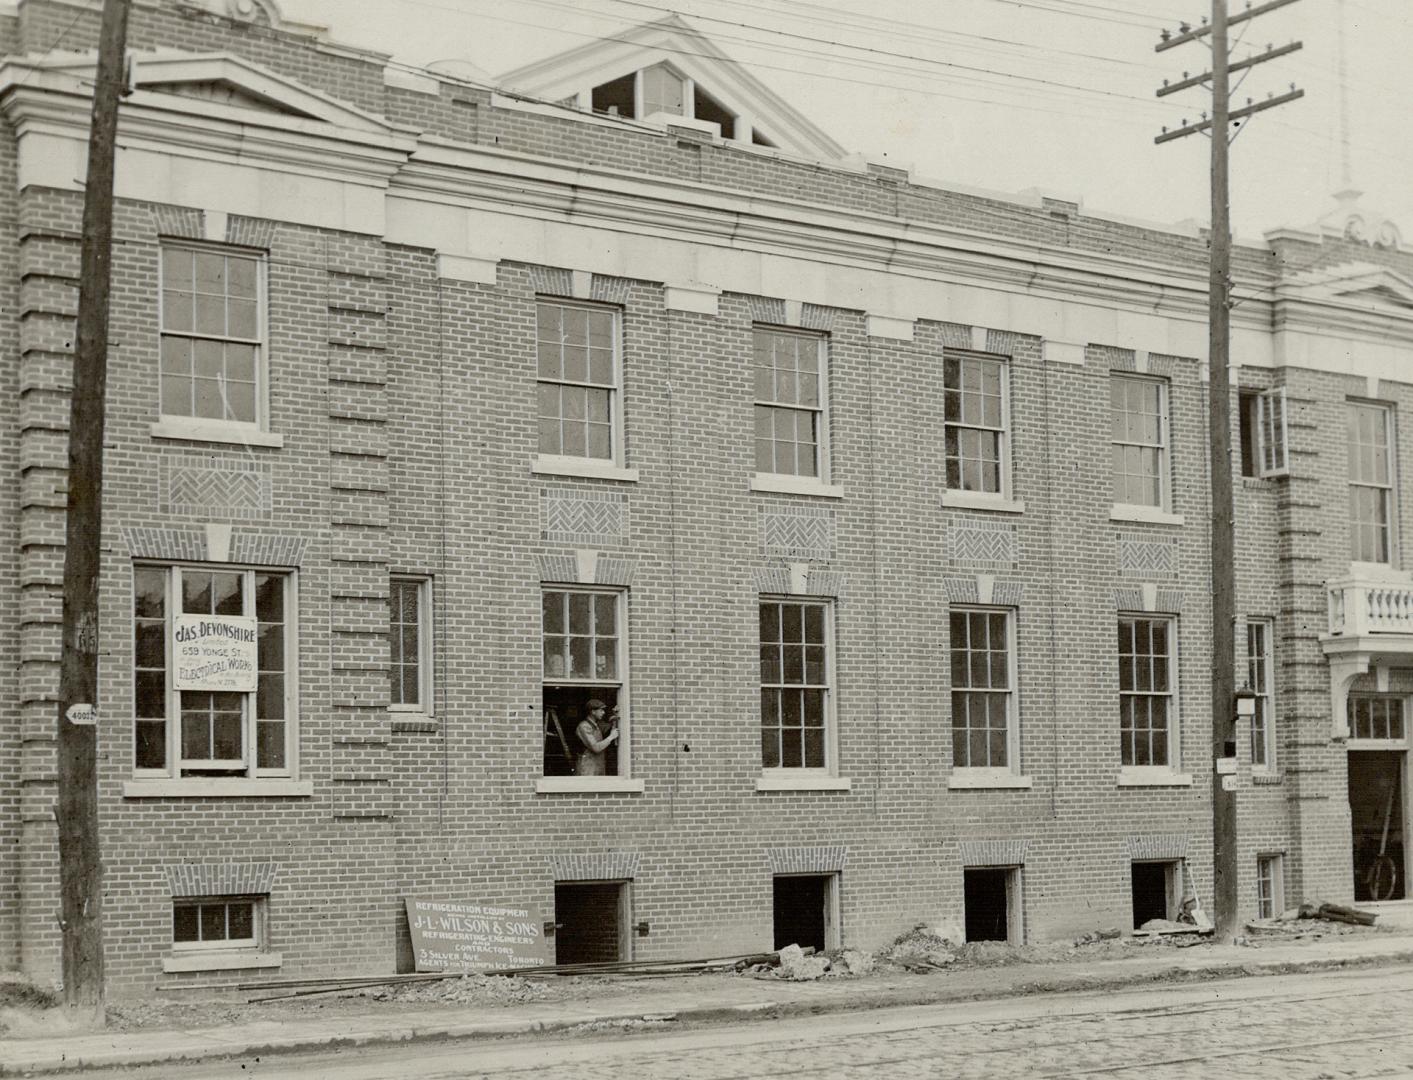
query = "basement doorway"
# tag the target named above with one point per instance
(1157, 891)
(991, 901)
(1376, 813)
(591, 922)
(806, 911)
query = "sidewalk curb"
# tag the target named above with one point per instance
(492, 1029)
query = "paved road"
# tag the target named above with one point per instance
(1325, 1026)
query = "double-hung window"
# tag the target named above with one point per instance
(796, 684)
(983, 689)
(214, 655)
(974, 423)
(410, 638)
(1260, 678)
(1270, 887)
(579, 383)
(791, 393)
(213, 333)
(1147, 681)
(1262, 427)
(584, 681)
(1371, 480)
(1138, 409)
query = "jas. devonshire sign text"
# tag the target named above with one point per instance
(215, 652)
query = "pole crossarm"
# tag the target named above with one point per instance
(1241, 65)
(1172, 41)
(1236, 114)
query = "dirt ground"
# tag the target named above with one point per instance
(28, 1011)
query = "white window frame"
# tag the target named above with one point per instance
(189, 777)
(1270, 884)
(257, 923)
(1389, 489)
(1003, 432)
(805, 777)
(1260, 677)
(244, 953)
(623, 780)
(222, 429)
(976, 776)
(770, 480)
(1359, 742)
(1272, 433)
(612, 467)
(1163, 445)
(426, 682)
(1166, 774)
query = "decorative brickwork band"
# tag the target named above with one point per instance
(1157, 848)
(956, 336)
(562, 569)
(572, 516)
(611, 290)
(221, 879)
(826, 583)
(962, 590)
(764, 309)
(1118, 359)
(1148, 597)
(814, 581)
(595, 866)
(797, 532)
(983, 545)
(1001, 342)
(772, 579)
(1008, 593)
(267, 549)
(249, 232)
(1165, 366)
(1142, 556)
(806, 860)
(585, 567)
(172, 545)
(614, 572)
(993, 852)
(815, 317)
(551, 281)
(201, 488)
(179, 221)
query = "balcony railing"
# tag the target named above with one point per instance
(1359, 607)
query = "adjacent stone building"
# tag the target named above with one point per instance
(872, 513)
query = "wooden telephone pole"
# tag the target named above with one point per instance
(80, 868)
(1223, 127)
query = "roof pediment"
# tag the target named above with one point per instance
(1365, 286)
(571, 76)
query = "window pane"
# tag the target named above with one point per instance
(213, 922)
(241, 921)
(185, 924)
(270, 745)
(270, 697)
(605, 614)
(552, 607)
(151, 749)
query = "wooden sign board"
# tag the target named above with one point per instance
(215, 652)
(452, 935)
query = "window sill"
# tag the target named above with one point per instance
(1152, 776)
(230, 960)
(553, 465)
(788, 780)
(978, 779)
(593, 785)
(795, 485)
(200, 787)
(1149, 514)
(981, 500)
(217, 431)
(1261, 777)
(409, 721)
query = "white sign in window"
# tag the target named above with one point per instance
(215, 652)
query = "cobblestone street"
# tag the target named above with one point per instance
(1299, 1027)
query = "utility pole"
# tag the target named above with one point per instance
(1223, 127)
(80, 867)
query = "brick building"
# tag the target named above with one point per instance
(874, 510)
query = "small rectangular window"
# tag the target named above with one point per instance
(795, 683)
(1270, 888)
(1260, 678)
(584, 682)
(1376, 716)
(974, 422)
(578, 387)
(1139, 434)
(215, 922)
(1371, 481)
(983, 689)
(1147, 703)
(410, 638)
(212, 336)
(790, 402)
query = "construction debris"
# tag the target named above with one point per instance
(921, 949)
(1338, 913)
(1166, 927)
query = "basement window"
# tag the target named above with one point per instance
(991, 897)
(591, 920)
(1156, 889)
(213, 933)
(806, 910)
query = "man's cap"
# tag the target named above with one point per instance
(595, 703)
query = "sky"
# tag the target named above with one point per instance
(1010, 95)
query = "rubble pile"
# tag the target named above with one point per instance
(470, 989)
